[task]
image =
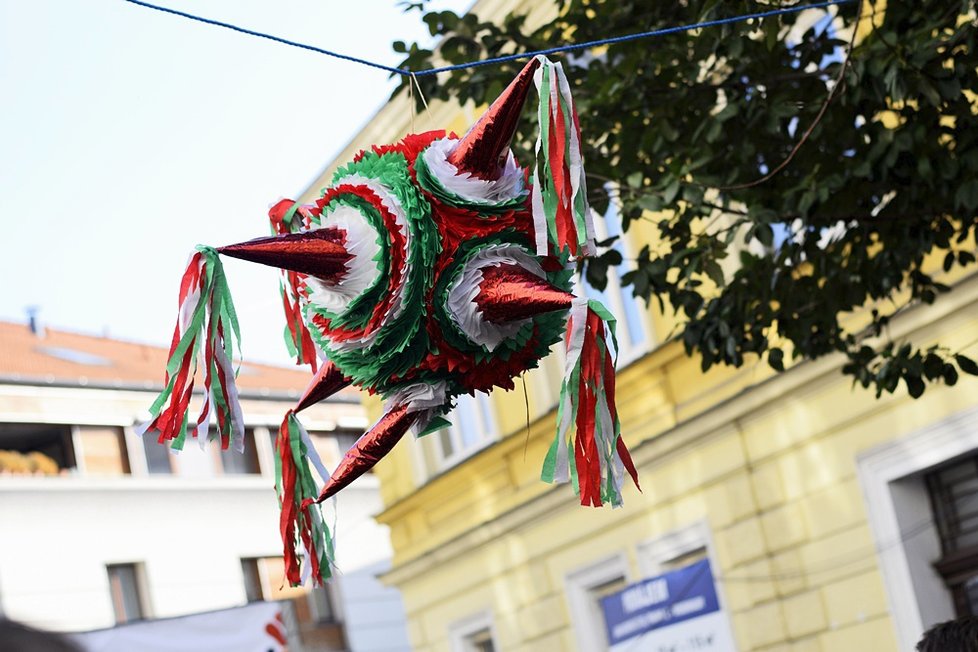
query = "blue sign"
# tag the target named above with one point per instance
(660, 602)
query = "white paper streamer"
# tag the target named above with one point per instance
(576, 162)
(396, 306)
(362, 269)
(575, 343)
(472, 189)
(426, 398)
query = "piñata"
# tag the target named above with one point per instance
(429, 268)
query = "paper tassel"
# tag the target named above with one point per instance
(301, 522)
(561, 216)
(596, 458)
(207, 324)
(285, 217)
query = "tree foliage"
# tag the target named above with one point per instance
(801, 179)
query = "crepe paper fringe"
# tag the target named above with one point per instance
(596, 458)
(305, 534)
(207, 324)
(460, 303)
(561, 216)
(464, 188)
(472, 366)
(379, 338)
(285, 217)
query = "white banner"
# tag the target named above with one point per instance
(256, 627)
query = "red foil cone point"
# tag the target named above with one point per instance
(319, 252)
(511, 292)
(327, 381)
(369, 449)
(482, 151)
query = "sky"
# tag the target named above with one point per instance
(128, 136)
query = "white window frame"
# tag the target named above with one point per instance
(896, 500)
(332, 591)
(460, 631)
(618, 295)
(141, 586)
(487, 431)
(589, 631)
(543, 382)
(655, 555)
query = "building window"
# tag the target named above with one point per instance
(330, 445)
(124, 589)
(264, 579)
(674, 550)
(157, 455)
(243, 463)
(953, 492)
(472, 428)
(36, 449)
(333, 444)
(480, 641)
(585, 588)
(314, 613)
(322, 604)
(102, 450)
(632, 328)
(919, 495)
(252, 580)
(473, 634)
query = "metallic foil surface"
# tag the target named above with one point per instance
(510, 292)
(483, 150)
(319, 252)
(368, 450)
(328, 381)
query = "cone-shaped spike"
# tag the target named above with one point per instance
(510, 292)
(483, 150)
(328, 381)
(369, 449)
(319, 252)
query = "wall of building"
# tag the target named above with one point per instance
(186, 531)
(772, 473)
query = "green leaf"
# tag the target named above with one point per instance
(967, 195)
(651, 203)
(764, 234)
(654, 118)
(915, 386)
(669, 194)
(713, 270)
(933, 366)
(597, 273)
(966, 364)
(950, 374)
(775, 358)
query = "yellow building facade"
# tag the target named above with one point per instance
(814, 501)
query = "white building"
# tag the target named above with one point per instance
(98, 527)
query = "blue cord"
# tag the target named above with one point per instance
(511, 57)
(277, 39)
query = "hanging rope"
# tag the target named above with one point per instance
(568, 47)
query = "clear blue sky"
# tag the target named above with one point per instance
(128, 136)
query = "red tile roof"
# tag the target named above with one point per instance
(62, 357)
